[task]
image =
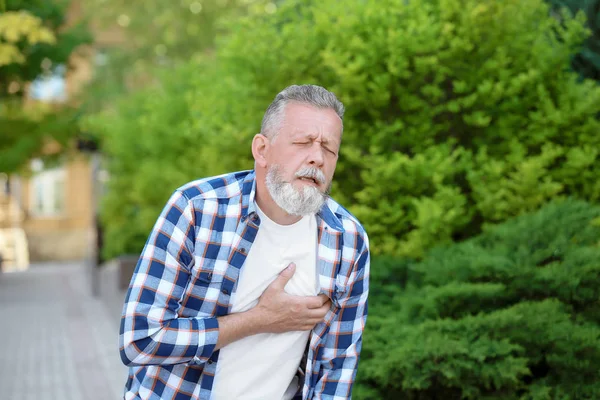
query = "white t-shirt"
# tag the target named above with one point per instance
(263, 366)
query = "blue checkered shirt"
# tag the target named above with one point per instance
(188, 270)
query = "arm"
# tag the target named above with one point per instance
(276, 312)
(151, 331)
(343, 343)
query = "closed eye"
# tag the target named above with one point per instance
(330, 151)
(306, 143)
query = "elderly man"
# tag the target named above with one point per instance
(253, 285)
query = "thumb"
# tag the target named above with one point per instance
(285, 276)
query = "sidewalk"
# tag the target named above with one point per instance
(56, 340)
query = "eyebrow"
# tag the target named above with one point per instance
(312, 136)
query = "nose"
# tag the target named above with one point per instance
(316, 156)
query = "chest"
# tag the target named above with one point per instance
(272, 251)
(220, 256)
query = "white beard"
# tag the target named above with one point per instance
(307, 201)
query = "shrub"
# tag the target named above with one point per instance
(458, 114)
(587, 61)
(510, 314)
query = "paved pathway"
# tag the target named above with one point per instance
(57, 342)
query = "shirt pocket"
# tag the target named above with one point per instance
(202, 294)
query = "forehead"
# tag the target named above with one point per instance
(302, 120)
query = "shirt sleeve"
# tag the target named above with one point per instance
(343, 343)
(152, 332)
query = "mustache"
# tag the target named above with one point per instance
(311, 173)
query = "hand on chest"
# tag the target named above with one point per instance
(270, 254)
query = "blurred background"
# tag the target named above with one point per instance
(471, 154)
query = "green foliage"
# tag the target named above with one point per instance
(165, 152)
(156, 36)
(510, 314)
(23, 133)
(33, 39)
(587, 61)
(20, 26)
(459, 113)
(48, 39)
(160, 31)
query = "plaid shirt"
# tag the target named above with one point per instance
(185, 277)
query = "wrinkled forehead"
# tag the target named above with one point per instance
(305, 121)
(327, 138)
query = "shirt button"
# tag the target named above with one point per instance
(209, 276)
(225, 291)
(210, 361)
(243, 250)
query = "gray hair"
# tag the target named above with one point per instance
(312, 95)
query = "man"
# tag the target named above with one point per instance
(253, 285)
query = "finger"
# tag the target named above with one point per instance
(319, 312)
(316, 317)
(284, 277)
(325, 306)
(316, 301)
(314, 322)
(324, 298)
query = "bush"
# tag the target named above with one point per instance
(458, 114)
(587, 61)
(510, 314)
(159, 138)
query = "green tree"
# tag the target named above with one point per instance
(180, 136)
(458, 113)
(16, 27)
(587, 61)
(159, 32)
(510, 314)
(33, 40)
(156, 36)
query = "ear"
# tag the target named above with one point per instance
(260, 148)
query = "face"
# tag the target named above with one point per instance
(301, 160)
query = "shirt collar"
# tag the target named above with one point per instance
(249, 207)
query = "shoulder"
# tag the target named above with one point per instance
(350, 223)
(226, 186)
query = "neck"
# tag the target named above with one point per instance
(268, 205)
